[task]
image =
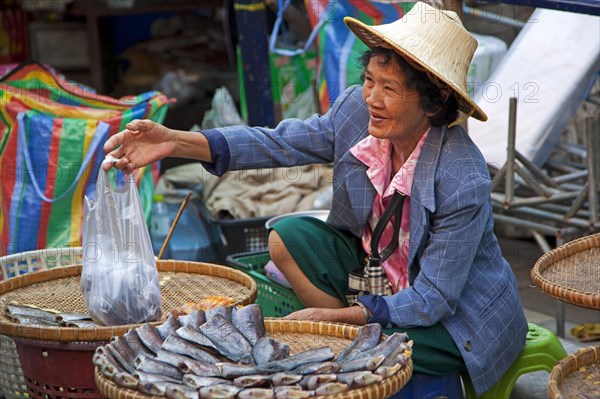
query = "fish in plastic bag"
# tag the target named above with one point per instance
(119, 281)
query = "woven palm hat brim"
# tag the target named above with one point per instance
(432, 40)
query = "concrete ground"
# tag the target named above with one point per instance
(540, 308)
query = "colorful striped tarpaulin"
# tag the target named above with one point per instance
(51, 139)
(339, 49)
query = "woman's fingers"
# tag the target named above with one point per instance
(122, 164)
(130, 167)
(114, 141)
(106, 166)
(140, 125)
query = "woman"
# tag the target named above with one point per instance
(444, 279)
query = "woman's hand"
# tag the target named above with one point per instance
(141, 143)
(350, 315)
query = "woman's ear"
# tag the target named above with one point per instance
(445, 93)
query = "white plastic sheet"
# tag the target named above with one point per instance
(550, 68)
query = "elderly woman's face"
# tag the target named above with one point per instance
(395, 110)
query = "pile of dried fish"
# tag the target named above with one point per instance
(30, 315)
(224, 353)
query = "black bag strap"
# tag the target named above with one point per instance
(394, 208)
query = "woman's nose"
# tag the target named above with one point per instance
(373, 96)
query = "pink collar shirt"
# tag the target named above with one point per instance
(376, 154)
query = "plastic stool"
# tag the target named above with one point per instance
(426, 386)
(542, 351)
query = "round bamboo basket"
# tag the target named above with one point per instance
(12, 380)
(577, 375)
(180, 282)
(571, 273)
(300, 336)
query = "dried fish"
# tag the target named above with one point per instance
(227, 339)
(103, 351)
(366, 379)
(314, 355)
(168, 327)
(250, 322)
(122, 354)
(134, 343)
(268, 349)
(331, 388)
(188, 362)
(221, 391)
(248, 381)
(99, 359)
(145, 377)
(174, 359)
(125, 380)
(174, 343)
(367, 337)
(359, 378)
(281, 388)
(82, 324)
(224, 311)
(384, 348)
(194, 319)
(292, 393)
(66, 317)
(364, 363)
(234, 370)
(193, 335)
(279, 379)
(33, 321)
(311, 382)
(13, 310)
(256, 393)
(154, 388)
(157, 367)
(196, 381)
(108, 371)
(202, 369)
(150, 337)
(388, 371)
(317, 368)
(397, 353)
(180, 391)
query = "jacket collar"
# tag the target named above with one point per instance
(423, 183)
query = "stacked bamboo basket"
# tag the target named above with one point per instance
(12, 381)
(571, 273)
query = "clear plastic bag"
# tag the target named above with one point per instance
(119, 281)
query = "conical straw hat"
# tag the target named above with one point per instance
(431, 40)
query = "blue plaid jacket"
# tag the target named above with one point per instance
(456, 270)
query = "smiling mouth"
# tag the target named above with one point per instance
(377, 118)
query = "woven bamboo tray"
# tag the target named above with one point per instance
(571, 272)
(300, 336)
(12, 380)
(576, 376)
(181, 282)
(40, 259)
